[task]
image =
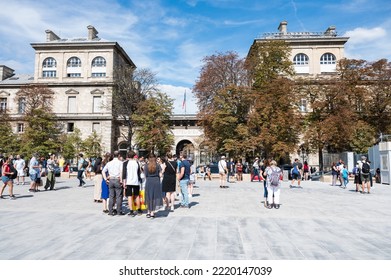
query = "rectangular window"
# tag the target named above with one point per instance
(20, 127)
(96, 127)
(72, 104)
(97, 104)
(303, 105)
(3, 104)
(74, 74)
(98, 74)
(70, 127)
(22, 105)
(49, 74)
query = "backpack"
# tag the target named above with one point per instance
(365, 168)
(295, 170)
(275, 177)
(85, 164)
(12, 169)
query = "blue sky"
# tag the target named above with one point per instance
(172, 37)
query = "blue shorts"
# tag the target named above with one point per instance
(6, 179)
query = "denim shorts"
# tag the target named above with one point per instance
(5, 179)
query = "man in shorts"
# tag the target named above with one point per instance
(130, 178)
(295, 172)
(19, 165)
(34, 171)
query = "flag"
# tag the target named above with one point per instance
(184, 101)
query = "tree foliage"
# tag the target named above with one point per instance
(71, 144)
(42, 132)
(92, 145)
(8, 140)
(243, 118)
(274, 118)
(153, 123)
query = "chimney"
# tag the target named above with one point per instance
(51, 36)
(5, 72)
(92, 32)
(331, 31)
(283, 27)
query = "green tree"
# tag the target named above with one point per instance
(222, 93)
(8, 140)
(153, 123)
(274, 119)
(71, 144)
(378, 104)
(42, 132)
(131, 87)
(92, 146)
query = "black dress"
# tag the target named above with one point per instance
(153, 189)
(169, 176)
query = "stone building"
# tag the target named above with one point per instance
(80, 73)
(314, 55)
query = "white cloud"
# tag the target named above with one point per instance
(364, 35)
(370, 44)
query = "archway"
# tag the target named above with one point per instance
(187, 147)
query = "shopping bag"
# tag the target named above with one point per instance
(143, 206)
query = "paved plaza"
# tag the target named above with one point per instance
(315, 222)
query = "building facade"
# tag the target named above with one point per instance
(80, 73)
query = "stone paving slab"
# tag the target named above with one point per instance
(316, 222)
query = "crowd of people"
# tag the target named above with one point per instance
(154, 183)
(150, 183)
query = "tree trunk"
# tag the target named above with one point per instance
(320, 153)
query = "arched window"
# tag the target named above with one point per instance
(49, 62)
(98, 67)
(74, 62)
(98, 62)
(300, 59)
(328, 58)
(49, 68)
(74, 67)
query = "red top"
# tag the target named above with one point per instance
(6, 169)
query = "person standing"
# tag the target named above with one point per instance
(264, 166)
(61, 162)
(345, 176)
(184, 177)
(51, 178)
(239, 170)
(365, 169)
(334, 174)
(6, 173)
(98, 180)
(131, 179)
(80, 170)
(34, 171)
(170, 180)
(306, 170)
(256, 170)
(273, 185)
(222, 172)
(153, 188)
(105, 187)
(20, 165)
(357, 176)
(295, 172)
(113, 169)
